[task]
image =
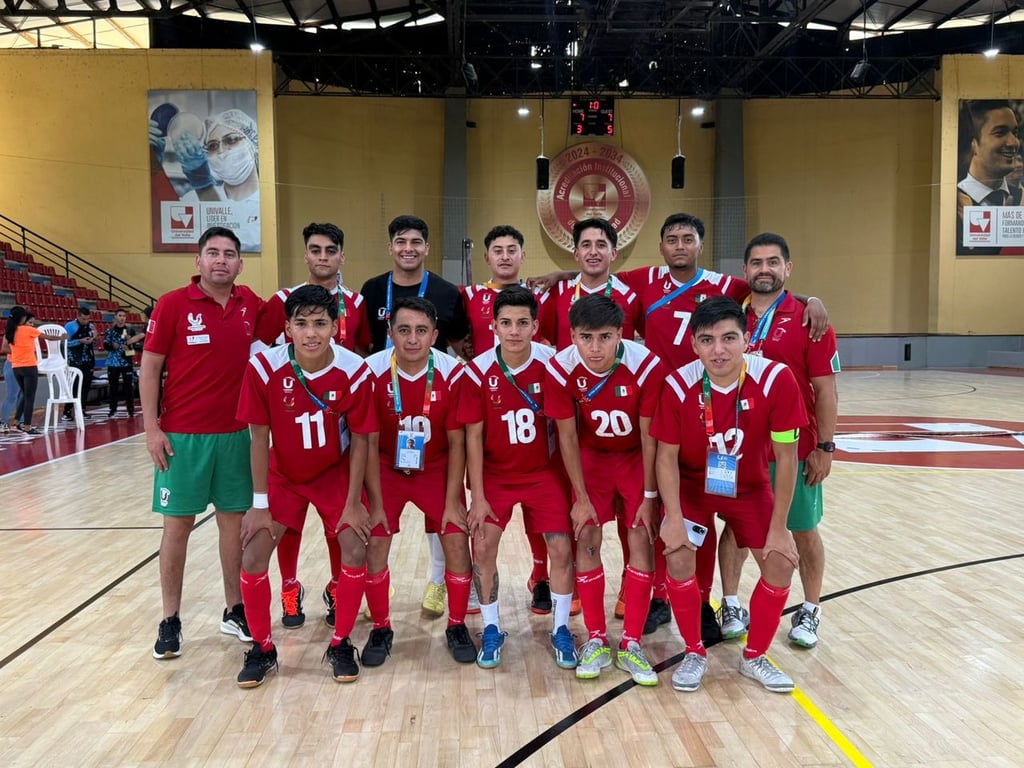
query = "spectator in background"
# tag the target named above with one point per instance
(11, 389)
(81, 354)
(120, 341)
(21, 338)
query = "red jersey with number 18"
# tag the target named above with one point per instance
(306, 439)
(609, 420)
(412, 390)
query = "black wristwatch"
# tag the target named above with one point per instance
(828, 446)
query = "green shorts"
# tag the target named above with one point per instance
(806, 511)
(204, 470)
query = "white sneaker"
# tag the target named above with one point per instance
(805, 627)
(595, 655)
(767, 674)
(688, 675)
(631, 659)
(735, 621)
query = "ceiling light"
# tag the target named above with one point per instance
(697, 111)
(523, 111)
(624, 82)
(535, 65)
(256, 46)
(991, 53)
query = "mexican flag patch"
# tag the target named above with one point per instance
(623, 391)
(834, 362)
(535, 388)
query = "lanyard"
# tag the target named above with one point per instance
(395, 385)
(387, 307)
(677, 292)
(342, 321)
(302, 380)
(498, 287)
(764, 323)
(579, 284)
(709, 418)
(600, 385)
(511, 380)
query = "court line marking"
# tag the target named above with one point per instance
(88, 528)
(82, 452)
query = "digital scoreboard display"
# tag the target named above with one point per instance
(594, 116)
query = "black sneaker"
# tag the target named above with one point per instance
(460, 644)
(328, 598)
(378, 647)
(344, 664)
(659, 613)
(168, 639)
(257, 663)
(541, 602)
(710, 629)
(234, 623)
(292, 616)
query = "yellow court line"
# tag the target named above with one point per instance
(837, 736)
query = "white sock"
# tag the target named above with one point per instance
(732, 600)
(561, 606)
(436, 559)
(489, 614)
(811, 608)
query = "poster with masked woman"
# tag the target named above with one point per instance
(204, 167)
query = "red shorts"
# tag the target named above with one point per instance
(610, 475)
(289, 501)
(749, 516)
(545, 502)
(425, 488)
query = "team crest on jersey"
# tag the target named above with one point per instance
(778, 333)
(288, 401)
(288, 382)
(485, 297)
(667, 287)
(195, 322)
(492, 382)
(382, 313)
(581, 382)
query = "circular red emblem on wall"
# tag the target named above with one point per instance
(594, 181)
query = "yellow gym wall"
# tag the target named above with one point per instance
(74, 163)
(970, 294)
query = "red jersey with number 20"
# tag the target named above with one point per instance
(609, 420)
(306, 439)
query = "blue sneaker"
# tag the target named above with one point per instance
(490, 647)
(565, 648)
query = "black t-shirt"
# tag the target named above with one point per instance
(452, 322)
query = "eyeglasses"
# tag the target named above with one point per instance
(213, 147)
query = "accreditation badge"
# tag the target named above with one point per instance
(344, 434)
(721, 473)
(410, 450)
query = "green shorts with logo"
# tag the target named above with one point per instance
(204, 470)
(807, 509)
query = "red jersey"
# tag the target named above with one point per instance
(307, 439)
(412, 393)
(353, 330)
(555, 305)
(787, 341)
(479, 302)
(519, 439)
(206, 348)
(608, 420)
(769, 402)
(666, 329)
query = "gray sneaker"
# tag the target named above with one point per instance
(595, 655)
(735, 621)
(688, 675)
(805, 627)
(767, 674)
(631, 659)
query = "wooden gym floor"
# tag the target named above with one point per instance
(920, 663)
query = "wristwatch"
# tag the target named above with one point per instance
(828, 446)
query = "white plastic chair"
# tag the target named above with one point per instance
(56, 351)
(65, 384)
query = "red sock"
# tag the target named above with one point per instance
(766, 604)
(377, 599)
(457, 585)
(256, 599)
(334, 555)
(638, 602)
(707, 556)
(660, 590)
(590, 585)
(539, 550)
(351, 586)
(288, 558)
(623, 530)
(684, 597)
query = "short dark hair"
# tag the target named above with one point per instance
(682, 220)
(119, 310)
(767, 238)
(84, 310)
(714, 310)
(596, 311)
(516, 296)
(977, 113)
(503, 230)
(307, 299)
(148, 311)
(332, 231)
(603, 224)
(213, 232)
(406, 222)
(416, 304)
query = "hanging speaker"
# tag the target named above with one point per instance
(678, 172)
(542, 172)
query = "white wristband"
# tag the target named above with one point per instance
(813, 298)
(650, 494)
(260, 501)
